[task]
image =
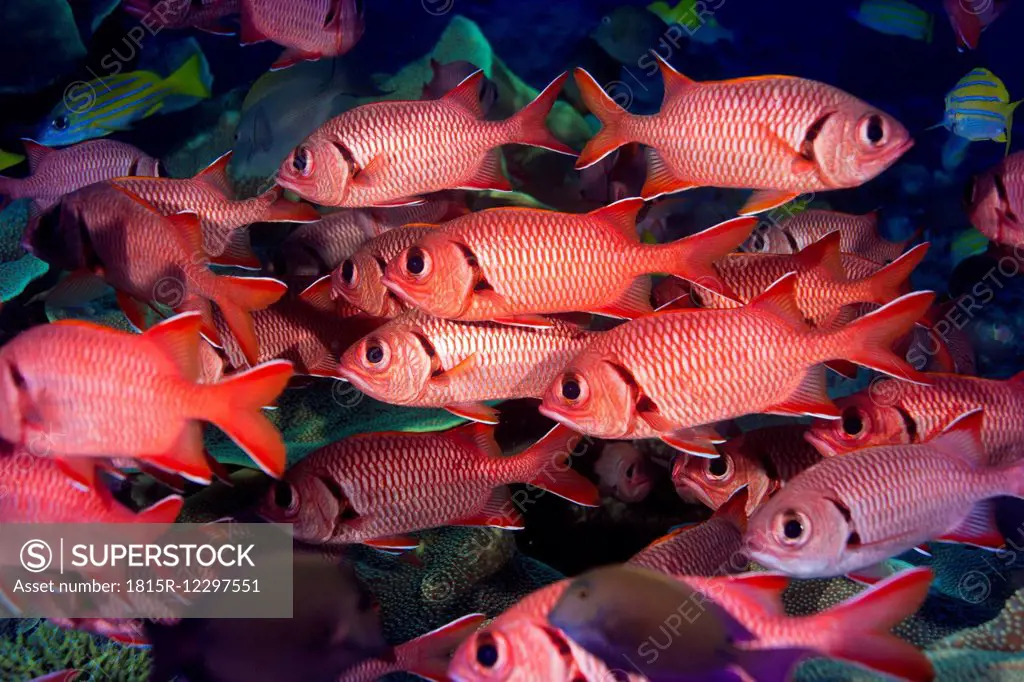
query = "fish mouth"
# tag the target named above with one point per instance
(395, 287)
(355, 379)
(698, 491)
(820, 444)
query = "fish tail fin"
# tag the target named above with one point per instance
(529, 125)
(164, 511)
(613, 118)
(429, 655)
(893, 280)
(549, 469)
(237, 297)
(1009, 121)
(692, 258)
(188, 79)
(237, 410)
(868, 341)
(866, 620)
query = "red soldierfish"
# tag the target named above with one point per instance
(847, 513)
(56, 172)
(624, 472)
(897, 413)
(780, 135)
(510, 264)
(712, 547)
(147, 257)
(970, 17)
(424, 361)
(210, 15)
(37, 490)
(388, 153)
(308, 330)
(995, 201)
(308, 30)
(667, 374)
(426, 656)
(359, 279)
(209, 195)
(858, 234)
(64, 388)
(373, 488)
(826, 280)
(761, 460)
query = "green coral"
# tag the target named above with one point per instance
(17, 268)
(29, 652)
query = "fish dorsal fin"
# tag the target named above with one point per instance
(36, 153)
(675, 82)
(824, 254)
(480, 438)
(962, 438)
(466, 95)
(780, 299)
(621, 215)
(178, 337)
(216, 175)
(318, 294)
(735, 509)
(188, 224)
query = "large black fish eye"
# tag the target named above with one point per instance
(61, 122)
(571, 389)
(875, 131)
(793, 529)
(853, 424)
(283, 494)
(414, 261)
(374, 354)
(301, 160)
(486, 651)
(718, 467)
(348, 269)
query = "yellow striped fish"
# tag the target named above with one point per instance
(8, 159)
(896, 18)
(979, 108)
(99, 107)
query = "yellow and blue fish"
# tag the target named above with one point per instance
(896, 18)
(8, 159)
(979, 108)
(696, 16)
(97, 108)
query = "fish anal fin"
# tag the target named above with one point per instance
(488, 174)
(477, 412)
(634, 302)
(979, 528)
(661, 179)
(809, 398)
(765, 200)
(496, 511)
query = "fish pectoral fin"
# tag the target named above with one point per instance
(477, 412)
(634, 302)
(446, 376)
(393, 543)
(810, 397)
(488, 174)
(497, 511)
(135, 310)
(766, 199)
(81, 472)
(399, 202)
(661, 179)
(843, 368)
(690, 442)
(979, 528)
(293, 56)
(371, 173)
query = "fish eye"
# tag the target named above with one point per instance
(718, 467)
(302, 161)
(793, 526)
(61, 122)
(416, 261)
(853, 423)
(348, 271)
(606, 20)
(374, 354)
(486, 651)
(873, 131)
(283, 496)
(571, 389)
(758, 243)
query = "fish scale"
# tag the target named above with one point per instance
(713, 547)
(931, 408)
(996, 201)
(62, 171)
(858, 234)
